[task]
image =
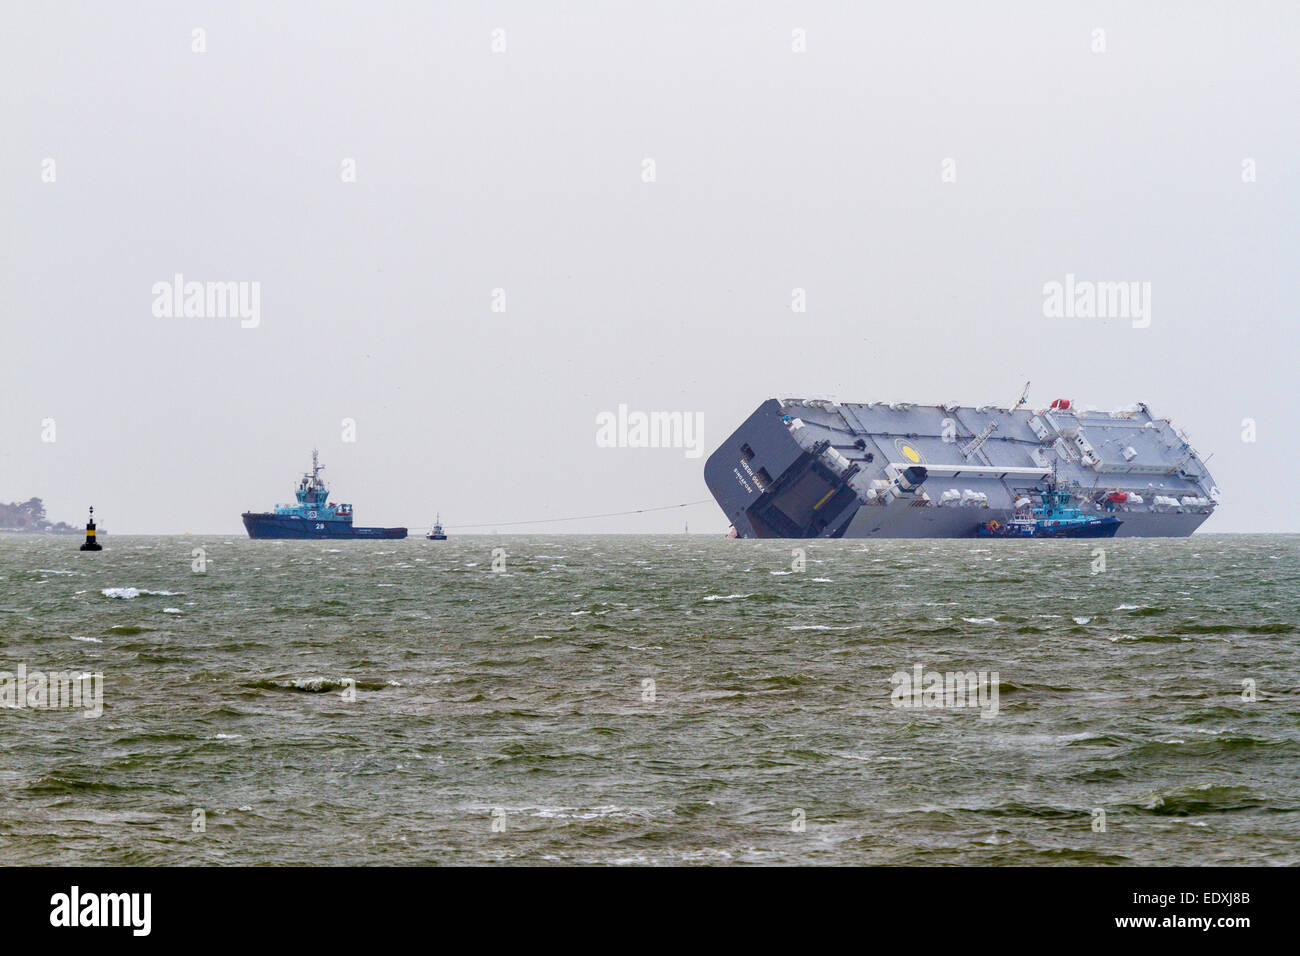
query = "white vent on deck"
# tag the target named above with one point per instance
(835, 461)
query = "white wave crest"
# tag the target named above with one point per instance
(128, 593)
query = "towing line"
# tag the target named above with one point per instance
(609, 514)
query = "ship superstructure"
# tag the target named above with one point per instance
(816, 468)
(313, 516)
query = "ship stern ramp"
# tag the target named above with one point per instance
(773, 478)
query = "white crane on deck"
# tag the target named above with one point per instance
(974, 444)
(1024, 396)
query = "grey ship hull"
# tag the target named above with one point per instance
(820, 469)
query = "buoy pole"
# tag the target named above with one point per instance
(91, 544)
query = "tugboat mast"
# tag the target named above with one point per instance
(316, 469)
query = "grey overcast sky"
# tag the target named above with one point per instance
(522, 170)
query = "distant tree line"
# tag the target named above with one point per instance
(29, 515)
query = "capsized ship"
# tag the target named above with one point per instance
(816, 468)
(314, 516)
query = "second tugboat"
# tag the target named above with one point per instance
(314, 516)
(437, 534)
(1054, 518)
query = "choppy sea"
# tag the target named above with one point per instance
(651, 700)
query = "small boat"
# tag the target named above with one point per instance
(437, 534)
(1056, 517)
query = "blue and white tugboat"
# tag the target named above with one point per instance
(314, 516)
(1056, 517)
(436, 533)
